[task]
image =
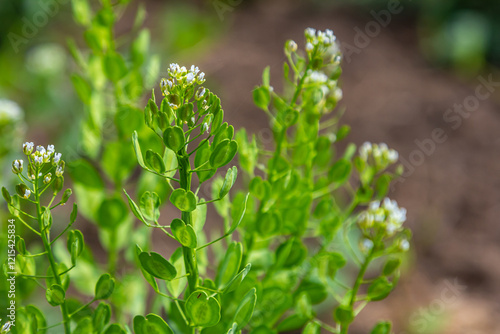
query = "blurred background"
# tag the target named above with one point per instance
(421, 76)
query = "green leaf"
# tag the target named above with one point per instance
(112, 213)
(114, 66)
(266, 77)
(295, 321)
(238, 221)
(261, 97)
(202, 309)
(229, 181)
(329, 263)
(268, 224)
(382, 185)
(236, 280)
(312, 328)
(340, 171)
(383, 327)
(379, 289)
(55, 295)
(75, 244)
(391, 265)
(115, 329)
(291, 253)
(155, 162)
(149, 278)
(230, 264)
(82, 88)
(177, 286)
(174, 139)
(201, 160)
(157, 266)
(84, 326)
(140, 47)
(20, 245)
(245, 309)
(223, 153)
(185, 234)
(183, 200)
(137, 149)
(135, 209)
(6, 195)
(343, 315)
(101, 316)
(150, 206)
(151, 324)
(74, 214)
(81, 12)
(104, 287)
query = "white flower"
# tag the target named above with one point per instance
(27, 193)
(57, 158)
(163, 84)
(404, 245)
(309, 47)
(17, 166)
(195, 69)
(291, 46)
(392, 156)
(28, 148)
(204, 128)
(9, 110)
(189, 77)
(6, 327)
(41, 149)
(47, 178)
(50, 149)
(365, 150)
(310, 32)
(200, 93)
(366, 245)
(38, 160)
(317, 77)
(201, 77)
(59, 171)
(337, 94)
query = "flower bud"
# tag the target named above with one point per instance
(28, 148)
(291, 46)
(200, 93)
(17, 166)
(47, 178)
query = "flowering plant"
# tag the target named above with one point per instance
(309, 228)
(43, 174)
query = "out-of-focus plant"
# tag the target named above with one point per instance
(110, 83)
(315, 214)
(43, 174)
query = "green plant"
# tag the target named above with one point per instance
(44, 175)
(190, 114)
(299, 218)
(306, 203)
(110, 75)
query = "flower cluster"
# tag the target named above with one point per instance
(181, 84)
(382, 220)
(320, 39)
(381, 154)
(37, 159)
(181, 76)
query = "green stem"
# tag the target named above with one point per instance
(189, 253)
(357, 285)
(50, 256)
